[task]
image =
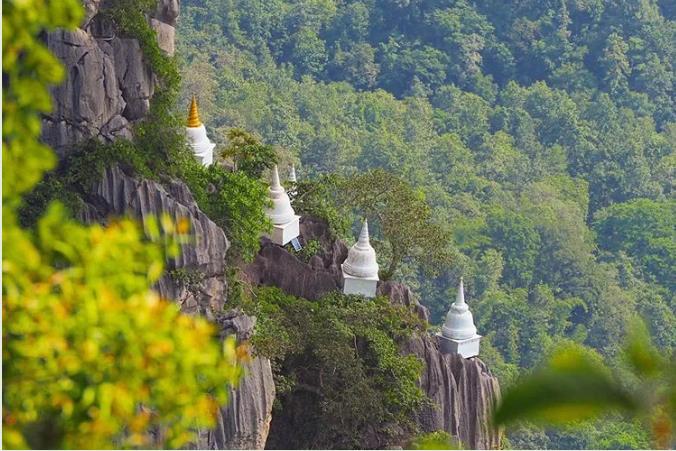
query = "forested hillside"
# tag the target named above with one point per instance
(542, 133)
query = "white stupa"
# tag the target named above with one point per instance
(285, 222)
(360, 268)
(292, 178)
(458, 335)
(292, 174)
(197, 136)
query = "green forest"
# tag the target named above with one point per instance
(539, 135)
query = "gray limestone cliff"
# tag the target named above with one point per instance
(108, 87)
(462, 391)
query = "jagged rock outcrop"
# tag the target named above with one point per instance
(244, 422)
(325, 274)
(109, 84)
(462, 391)
(195, 278)
(108, 87)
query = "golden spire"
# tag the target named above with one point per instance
(193, 115)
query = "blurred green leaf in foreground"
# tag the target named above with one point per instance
(575, 384)
(434, 440)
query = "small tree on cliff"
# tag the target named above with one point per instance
(248, 154)
(399, 216)
(92, 358)
(403, 218)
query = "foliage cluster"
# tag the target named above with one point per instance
(91, 356)
(401, 219)
(309, 250)
(341, 352)
(235, 202)
(249, 154)
(434, 440)
(318, 197)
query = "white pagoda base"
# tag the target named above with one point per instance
(363, 286)
(469, 347)
(283, 233)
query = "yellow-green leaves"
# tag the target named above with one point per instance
(27, 68)
(90, 351)
(434, 440)
(92, 358)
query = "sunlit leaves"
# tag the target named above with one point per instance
(86, 342)
(27, 68)
(92, 358)
(434, 440)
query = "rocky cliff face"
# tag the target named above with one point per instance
(108, 88)
(462, 391)
(109, 85)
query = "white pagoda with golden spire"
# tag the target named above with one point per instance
(285, 221)
(360, 268)
(458, 334)
(197, 136)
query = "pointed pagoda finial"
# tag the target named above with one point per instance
(364, 234)
(275, 185)
(460, 298)
(292, 174)
(193, 114)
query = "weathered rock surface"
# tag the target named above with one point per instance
(244, 422)
(108, 84)
(463, 391)
(199, 285)
(200, 289)
(463, 394)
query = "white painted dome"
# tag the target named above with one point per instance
(361, 258)
(459, 323)
(292, 174)
(202, 147)
(281, 211)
